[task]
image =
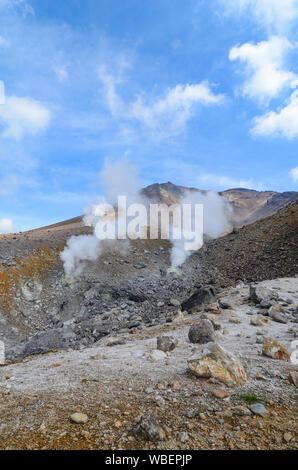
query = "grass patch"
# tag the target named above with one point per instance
(251, 398)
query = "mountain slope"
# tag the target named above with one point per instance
(266, 249)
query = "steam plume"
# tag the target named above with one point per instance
(121, 179)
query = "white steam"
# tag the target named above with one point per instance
(121, 179)
(216, 210)
(79, 249)
(117, 178)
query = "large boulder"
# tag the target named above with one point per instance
(213, 361)
(272, 348)
(201, 332)
(204, 295)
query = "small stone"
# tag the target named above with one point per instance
(116, 341)
(183, 437)
(79, 418)
(118, 424)
(221, 394)
(201, 332)
(147, 428)
(261, 377)
(166, 343)
(287, 436)
(277, 315)
(175, 302)
(274, 349)
(236, 321)
(241, 411)
(293, 378)
(178, 317)
(176, 385)
(259, 321)
(224, 305)
(157, 355)
(258, 409)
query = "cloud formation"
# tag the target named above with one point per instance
(22, 5)
(294, 174)
(165, 114)
(266, 76)
(217, 181)
(282, 123)
(21, 116)
(273, 15)
(6, 226)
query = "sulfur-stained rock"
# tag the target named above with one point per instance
(213, 361)
(259, 321)
(274, 349)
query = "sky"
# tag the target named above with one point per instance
(202, 93)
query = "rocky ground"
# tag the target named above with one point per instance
(89, 343)
(41, 309)
(124, 393)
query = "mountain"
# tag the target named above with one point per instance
(248, 205)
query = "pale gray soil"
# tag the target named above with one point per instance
(114, 384)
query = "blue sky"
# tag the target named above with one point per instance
(202, 93)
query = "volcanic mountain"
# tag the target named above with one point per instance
(248, 205)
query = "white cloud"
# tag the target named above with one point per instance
(224, 182)
(273, 15)
(266, 77)
(23, 5)
(294, 174)
(282, 123)
(175, 108)
(109, 82)
(21, 116)
(6, 226)
(167, 114)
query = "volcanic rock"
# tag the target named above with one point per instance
(147, 428)
(166, 343)
(213, 361)
(274, 349)
(202, 296)
(201, 332)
